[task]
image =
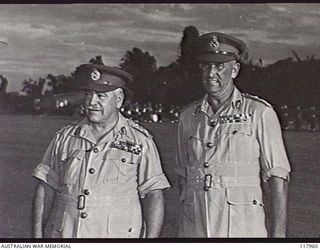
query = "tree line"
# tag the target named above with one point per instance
(292, 81)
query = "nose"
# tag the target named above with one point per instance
(212, 70)
(92, 99)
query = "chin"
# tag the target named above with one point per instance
(93, 119)
(213, 90)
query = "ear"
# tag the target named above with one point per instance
(235, 70)
(120, 98)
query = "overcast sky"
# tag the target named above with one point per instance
(54, 39)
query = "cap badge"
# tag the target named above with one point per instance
(214, 43)
(95, 75)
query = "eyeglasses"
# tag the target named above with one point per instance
(217, 66)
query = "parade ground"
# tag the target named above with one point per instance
(23, 140)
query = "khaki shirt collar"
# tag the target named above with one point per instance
(120, 129)
(234, 102)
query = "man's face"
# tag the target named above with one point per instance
(217, 78)
(101, 106)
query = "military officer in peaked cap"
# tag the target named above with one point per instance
(229, 146)
(96, 173)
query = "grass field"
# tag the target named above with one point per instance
(23, 140)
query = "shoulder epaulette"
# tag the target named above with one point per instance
(67, 127)
(141, 129)
(256, 98)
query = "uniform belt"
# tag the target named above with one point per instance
(224, 175)
(219, 182)
(80, 201)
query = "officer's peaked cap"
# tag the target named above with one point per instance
(219, 47)
(102, 78)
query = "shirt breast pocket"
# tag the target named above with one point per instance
(120, 166)
(71, 167)
(238, 143)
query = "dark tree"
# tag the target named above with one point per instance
(142, 66)
(188, 49)
(61, 83)
(32, 87)
(3, 85)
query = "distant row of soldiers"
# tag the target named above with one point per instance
(151, 112)
(291, 118)
(298, 118)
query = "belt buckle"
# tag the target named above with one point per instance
(207, 182)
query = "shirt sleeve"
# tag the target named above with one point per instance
(48, 170)
(150, 173)
(273, 156)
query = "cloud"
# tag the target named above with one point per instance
(55, 38)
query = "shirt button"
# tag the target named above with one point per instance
(254, 202)
(209, 144)
(206, 164)
(95, 150)
(123, 160)
(92, 170)
(83, 215)
(86, 192)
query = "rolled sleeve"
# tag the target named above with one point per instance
(273, 156)
(276, 172)
(47, 170)
(150, 173)
(44, 173)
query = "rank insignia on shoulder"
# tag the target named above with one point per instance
(256, 98)
(139, 128)
(234, 118)
(127, 146)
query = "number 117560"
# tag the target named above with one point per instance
(308, 245)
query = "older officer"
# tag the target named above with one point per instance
(226, 141)
(94, 172)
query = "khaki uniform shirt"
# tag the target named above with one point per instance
(226, 153)
(99, 185)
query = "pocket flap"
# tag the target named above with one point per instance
(234, 128)
(79, 154)
(121, 156)
(244, 196)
